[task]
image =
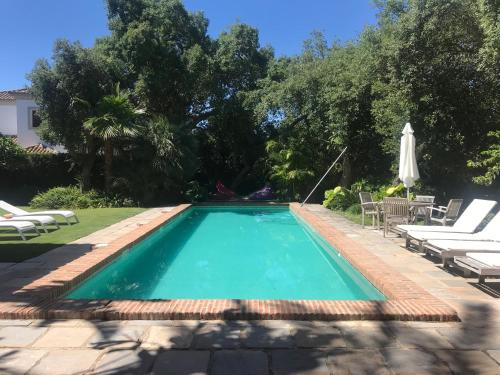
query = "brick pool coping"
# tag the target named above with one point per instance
(40, 299)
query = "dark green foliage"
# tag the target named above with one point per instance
(73, 197)
(339, 198)
(225, 108)
(489, 161)
(11, 154)
(355, 209)
(22, 175)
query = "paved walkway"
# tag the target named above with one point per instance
(273, 347)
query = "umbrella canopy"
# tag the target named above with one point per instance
(408, 170)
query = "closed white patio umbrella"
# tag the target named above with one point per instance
(408, 170)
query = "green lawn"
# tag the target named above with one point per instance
(12, 249)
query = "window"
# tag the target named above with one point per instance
(34, 119)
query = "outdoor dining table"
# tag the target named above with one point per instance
(414, 205)
(427, 205)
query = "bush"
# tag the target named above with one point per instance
(339, 198)
(355, 209)
(195, 192)
(11, 154)
(389, 191)
(72, 197)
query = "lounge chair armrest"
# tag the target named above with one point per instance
(439, 209)
(443, 208)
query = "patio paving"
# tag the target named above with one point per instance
(471, 346)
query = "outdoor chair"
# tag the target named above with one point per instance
(369, 207)
(42, 220)
(468, 222)
(421, 212)
(423, 239)
(446, 215)
(484, 264)
(447, 249)
(20, 226)
(20, 213)
(396, 211)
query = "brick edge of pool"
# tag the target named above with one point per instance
(40, 299)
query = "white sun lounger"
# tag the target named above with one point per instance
(67, 215)
(42, 220)
(468, 222)
(20, 226)
(491, 232)
(447, 249)
(484, 264)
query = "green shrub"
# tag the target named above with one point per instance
(11, 154)
(339, 198)
(72, 197)
(354, 209)
(195, 192)
(389, 191)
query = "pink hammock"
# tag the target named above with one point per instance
(224, 190)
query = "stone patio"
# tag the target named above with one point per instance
(471, 346)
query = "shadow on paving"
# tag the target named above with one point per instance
(15, 280)
(278, 347)
(20, 251)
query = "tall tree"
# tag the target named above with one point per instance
(115, 118)
(76, 74)
(430, 73)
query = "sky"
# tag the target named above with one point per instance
(30, 27)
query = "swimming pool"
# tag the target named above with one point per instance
(230, 252)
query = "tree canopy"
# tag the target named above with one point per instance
(227, 108)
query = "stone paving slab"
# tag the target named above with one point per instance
(182, 363)
(429, 338)
(125, 361)
(288, 362)
(64, 337)
(117, 336)
(222, 336)
(310, 335)
(495, 354)
(13, 337)
(241, 362)
(414, 361)
(370, 338)
(468, 362)
(358, 361)
(169, 337)
(262, 337)
(66, 362)
(19, 361)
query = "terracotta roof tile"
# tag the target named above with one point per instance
(40, 149)
(14, 94)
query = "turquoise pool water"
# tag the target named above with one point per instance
(230, 252)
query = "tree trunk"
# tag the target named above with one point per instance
(108, 164)
(87, 164)
(346, 179)
(237, 180)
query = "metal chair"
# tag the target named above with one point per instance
(446, 215)
(369, 207)
(396, 211)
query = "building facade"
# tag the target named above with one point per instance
(19, 117)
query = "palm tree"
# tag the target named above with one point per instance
(116, 118)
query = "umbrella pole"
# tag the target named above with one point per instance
(408, 193)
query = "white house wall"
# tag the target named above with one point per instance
(8, 118)
(26, 136)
